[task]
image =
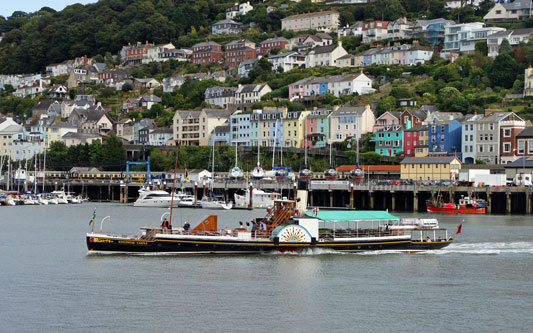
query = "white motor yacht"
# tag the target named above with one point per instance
(260, 199)
(156, 198)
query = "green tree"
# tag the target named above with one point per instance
(505, 47)
(503, 71)
(113, 152)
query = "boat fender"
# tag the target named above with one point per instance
(276, 241)
(313, 240)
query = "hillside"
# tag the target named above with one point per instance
(35, 40)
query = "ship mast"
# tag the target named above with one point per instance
(174, 182)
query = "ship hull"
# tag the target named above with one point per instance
(461, 210)
(206, 246)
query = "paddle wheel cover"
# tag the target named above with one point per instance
(294, 234)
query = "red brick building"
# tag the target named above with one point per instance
(510, 127)
(415, 117)
(206, 52)
(134, 53)
(276, 43)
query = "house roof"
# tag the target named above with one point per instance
(522, 162)
(297, 16)
(345, 110)
(526, 132)
(275, 39)
(428, 160)
(161, 131)
(324, 49)
(417, 128)
(371, 168)
(227, 21)
(322, 35)
(250, 88)
(417, 113)
(75, 135)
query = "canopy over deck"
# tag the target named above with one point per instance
(352, 215)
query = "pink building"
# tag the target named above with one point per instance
(387, 119)
(297, 89)
(317, 128)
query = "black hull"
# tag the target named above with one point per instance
(182, 246)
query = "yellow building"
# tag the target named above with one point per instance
(528, 81)
(294, 128)
(430, 168)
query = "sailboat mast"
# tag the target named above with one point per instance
(330, 153)
(357, 145)
(258, 153)
(305, 153)
(35, 174)
(44, 165)
(213, 157)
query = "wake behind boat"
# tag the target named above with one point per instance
(284, 228)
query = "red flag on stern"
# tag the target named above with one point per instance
(459, 229)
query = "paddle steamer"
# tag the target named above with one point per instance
(286, 227)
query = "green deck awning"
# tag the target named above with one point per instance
(352, 215)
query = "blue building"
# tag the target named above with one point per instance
(445, 137)
(220, 136)
(240, 129)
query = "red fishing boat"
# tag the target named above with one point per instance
(466, 205)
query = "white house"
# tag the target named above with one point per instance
(238, 9)
(251, 93)
(399, 29)
(159, 136)
(418, 54)
(514, 37)
(170, 83)
(287, 61)
(220, 96)
(462, 38)
(324, 55)
(509, 11)
(353, 30)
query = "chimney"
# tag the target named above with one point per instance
(336, 107)
(415, 42)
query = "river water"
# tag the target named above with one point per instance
(49, 282)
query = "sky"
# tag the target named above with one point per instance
(8, 7)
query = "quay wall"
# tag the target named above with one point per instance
(336, 194)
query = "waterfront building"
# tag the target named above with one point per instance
(414, 141)
(510, 127)
(430, 168)
(208, 120)
(445, 137)
(294, 128)
(240, 129)
(317, 128)
(350, 122)
(387, 119)
(469, 143)
(220, 136)
(389, 140)
(186, 127)
(524, 142)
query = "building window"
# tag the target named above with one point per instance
(506, 147)
(521, 146)
(507, 133)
